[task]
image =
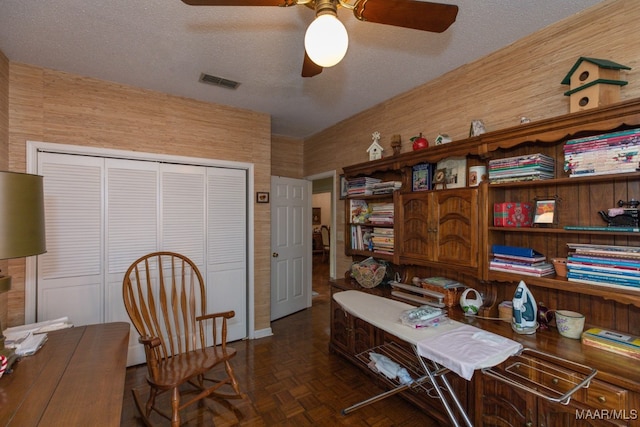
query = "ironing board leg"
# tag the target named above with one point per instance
(376, 398)
(441, 395)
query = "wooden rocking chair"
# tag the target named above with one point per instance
(164, 295)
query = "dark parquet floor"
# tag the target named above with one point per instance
(291, 379)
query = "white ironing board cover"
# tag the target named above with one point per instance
(456, 346)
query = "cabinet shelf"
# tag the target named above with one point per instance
(371, 224)
(568, 180)
(372, 196)
(619, 294)
(543, 230)
(378, 255)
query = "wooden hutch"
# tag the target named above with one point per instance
(449, 232)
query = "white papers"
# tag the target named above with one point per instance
(27, 345)
(27, 339)
(40, 327)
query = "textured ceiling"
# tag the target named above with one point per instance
(165, 45)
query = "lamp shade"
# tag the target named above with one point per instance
(21, 215)
(326, 40)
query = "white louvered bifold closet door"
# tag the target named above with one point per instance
(131, 230)
(103, 213)
(71, 273)
(227, 233)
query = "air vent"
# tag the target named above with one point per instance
(218, 81)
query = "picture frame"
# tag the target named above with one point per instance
(343, 187)
(421, 177)
(262, 197)
(316, 216)
(440, 179)
(545, 213)
(455, 171)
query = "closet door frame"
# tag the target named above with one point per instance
(32, 149)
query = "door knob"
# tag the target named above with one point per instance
(275, 255)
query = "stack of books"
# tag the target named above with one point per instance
(529, 167)
(361, 238)
(616, 152)
(386, 187)
(605, 265)
(519, 260)
(381, 213)
(361, 186)
(382, 240)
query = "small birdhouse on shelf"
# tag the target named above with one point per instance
(375, 149)
(593, 83)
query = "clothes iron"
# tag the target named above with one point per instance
(524, 310)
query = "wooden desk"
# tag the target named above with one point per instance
(75, 379)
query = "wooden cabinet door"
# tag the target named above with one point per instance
(497, 404)
(576, 415)
(364, 336)
(455, 219)
(439, 226)
(415, 229)
(341, 329)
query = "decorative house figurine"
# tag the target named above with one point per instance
(443, 138)
(396, 144)
(593, 83)
(375, 149)
(477, 128)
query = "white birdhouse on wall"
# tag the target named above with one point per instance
(375, 149)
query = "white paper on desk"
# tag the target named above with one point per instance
(17, 332)
(28, 345)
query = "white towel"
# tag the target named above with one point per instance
(467, 348)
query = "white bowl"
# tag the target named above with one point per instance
(570, 323)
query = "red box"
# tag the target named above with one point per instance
(511, 214)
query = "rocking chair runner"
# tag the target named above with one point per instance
(164, 295)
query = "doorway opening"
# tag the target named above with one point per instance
(323, 232)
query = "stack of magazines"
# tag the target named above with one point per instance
(386, 187)
(616, 152)
(529, 167)
(362, 186)
(605, 265)
(518, 260)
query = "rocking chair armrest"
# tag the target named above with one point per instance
(151, 342)
(224, 314)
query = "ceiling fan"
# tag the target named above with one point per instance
(326, 39)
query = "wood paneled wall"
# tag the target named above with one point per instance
(52, 106)
(522, 79)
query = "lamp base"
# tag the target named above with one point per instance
(11, 356)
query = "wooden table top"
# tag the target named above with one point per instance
(76, 378)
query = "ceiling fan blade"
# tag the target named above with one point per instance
(310, 68)
(419, 15)
(240, 2)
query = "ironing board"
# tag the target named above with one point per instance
(437, 351)
(384, 313)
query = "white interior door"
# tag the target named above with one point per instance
(290, 246)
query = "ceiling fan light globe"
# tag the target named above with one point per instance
(326, 40)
